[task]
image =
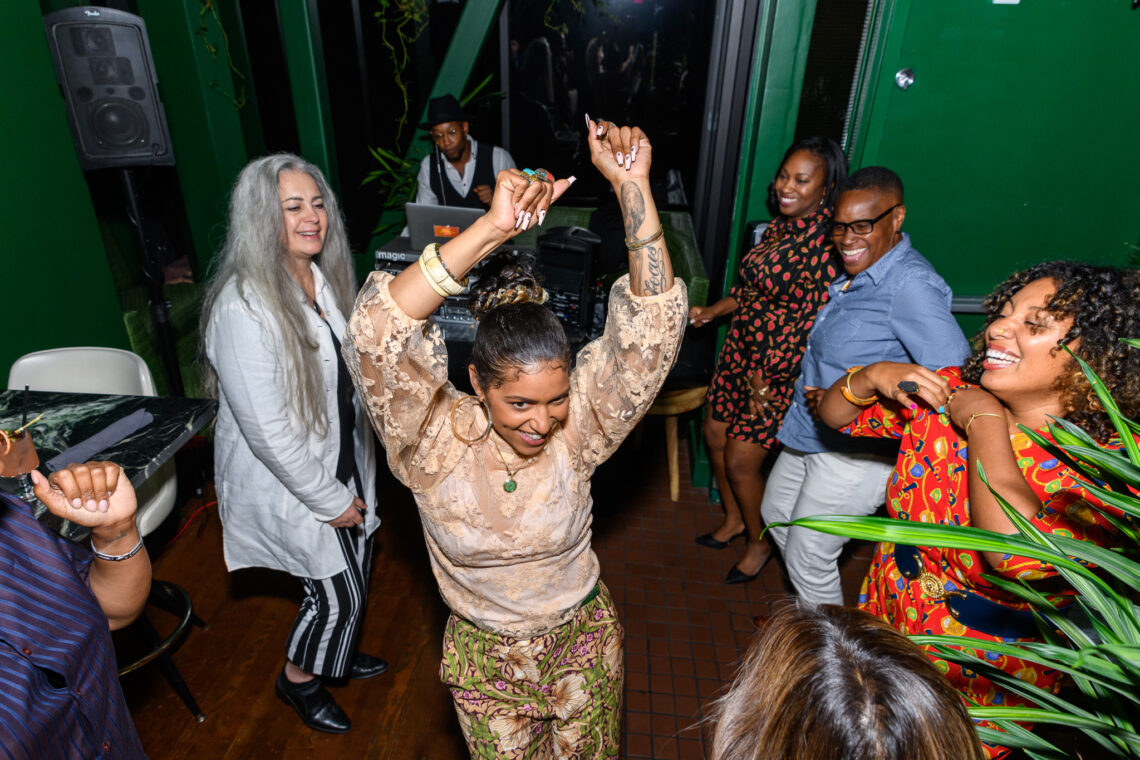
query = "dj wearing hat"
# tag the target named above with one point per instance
(459, 171)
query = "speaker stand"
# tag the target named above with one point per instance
(159, 306)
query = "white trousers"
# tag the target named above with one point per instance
(807, 485)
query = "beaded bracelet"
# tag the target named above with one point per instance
(118, 557)
(634, 244)
(848, 394)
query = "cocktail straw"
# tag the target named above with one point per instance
(25, 405)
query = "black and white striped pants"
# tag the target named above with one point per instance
(327, 627)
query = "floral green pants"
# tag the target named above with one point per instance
(557, 695)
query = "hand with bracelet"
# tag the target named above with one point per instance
(99, 496)
(905, 384)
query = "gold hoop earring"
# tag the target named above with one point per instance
(486, 411)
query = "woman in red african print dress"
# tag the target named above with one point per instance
(783, 283)
(1021, 376)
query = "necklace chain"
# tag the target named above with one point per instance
(510, 484)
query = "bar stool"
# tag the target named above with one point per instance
(671, 403)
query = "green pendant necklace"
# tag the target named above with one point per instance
(510, 484)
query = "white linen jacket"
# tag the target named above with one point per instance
(275, 478)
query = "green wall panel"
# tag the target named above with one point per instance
(198, 91)
(58, 289)
(1017, 140)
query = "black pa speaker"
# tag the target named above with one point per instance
(105, 70)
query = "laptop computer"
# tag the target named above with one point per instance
(437, 224)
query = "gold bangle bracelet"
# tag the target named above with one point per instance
(439, 291)
(850, 395)
(976, 415)
(634, 244)
(436, 272)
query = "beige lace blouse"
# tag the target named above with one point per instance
(515, 563)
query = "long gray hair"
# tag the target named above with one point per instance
(254, 258)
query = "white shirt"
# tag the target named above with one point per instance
(276, 477)
(500, 160)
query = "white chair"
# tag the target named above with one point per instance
(102, 370)
(114, 371)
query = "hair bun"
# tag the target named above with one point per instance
(506, 278)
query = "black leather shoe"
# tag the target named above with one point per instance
(735, 576)
(707, 539)
(317, 708)
(366, 666)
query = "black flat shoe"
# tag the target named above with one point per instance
(317, 708)
(366, 666)
(708, 540)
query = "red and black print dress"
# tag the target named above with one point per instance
(783, 284)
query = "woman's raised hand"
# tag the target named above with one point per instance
(619, 153)
(521, 199)
(903, 382)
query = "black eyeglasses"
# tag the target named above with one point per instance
(859, 226)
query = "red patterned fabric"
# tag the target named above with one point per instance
(783, 283)
(930, 485)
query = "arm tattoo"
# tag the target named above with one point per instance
(633, 206)
(655, 266)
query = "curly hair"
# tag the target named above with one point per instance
(515, 330)
(1102, 302)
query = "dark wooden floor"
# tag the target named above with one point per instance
(685, 631)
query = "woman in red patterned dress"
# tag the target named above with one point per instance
(783, 283)
(1019, 375)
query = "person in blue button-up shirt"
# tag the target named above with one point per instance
(890, 306)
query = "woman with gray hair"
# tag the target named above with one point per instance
(295, 464)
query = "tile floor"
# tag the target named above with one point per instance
(685, 629)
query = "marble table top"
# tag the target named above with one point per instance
(70, 418)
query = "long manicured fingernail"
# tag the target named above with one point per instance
(599, 130)
(76, 503)
(103, 505)
(633, 152)
(913, 406)
(587, 121)
(519, 220)
(91, 505)
(571, 180)
(628, 162)
(526, 220)
(618, 157)
(541, 216)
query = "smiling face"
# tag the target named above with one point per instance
(1023, 362)
(859, 252)
(800, 184)
(451, 139)
(303, 209)
(528, 405)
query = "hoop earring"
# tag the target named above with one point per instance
(486, 411)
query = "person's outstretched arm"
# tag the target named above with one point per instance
(520, 201)
(623, 155)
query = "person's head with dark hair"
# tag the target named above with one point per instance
(834, 683)
(868, 217)
(520, 361)
(1018, 355)
(808, 179)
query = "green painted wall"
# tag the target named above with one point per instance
(1017, 140)
(58, 289)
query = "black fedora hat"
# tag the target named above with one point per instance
(443, 109)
